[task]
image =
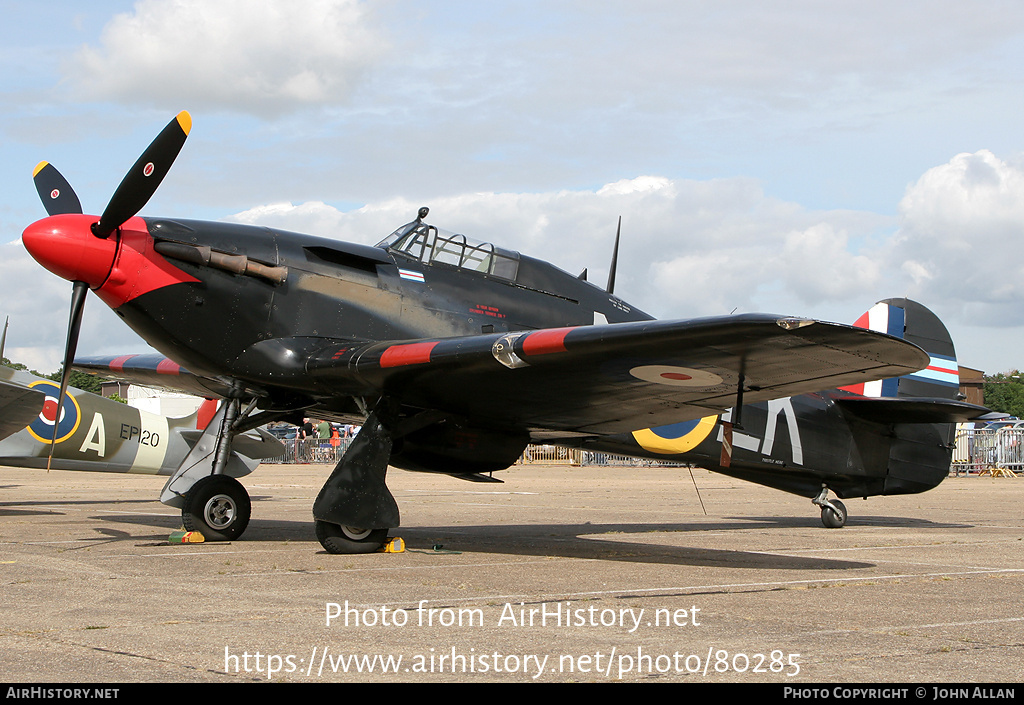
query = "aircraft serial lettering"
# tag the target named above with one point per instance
(753, 443)
(146, 438)
(96, 438)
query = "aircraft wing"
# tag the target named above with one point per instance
(19, 405)
(152, 370)
(588, 379)
(615, 378)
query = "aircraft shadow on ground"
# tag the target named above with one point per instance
(588, 541)
(48, 507)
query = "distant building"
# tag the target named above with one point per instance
(972, 385)
(154, 401)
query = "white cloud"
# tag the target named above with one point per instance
(961, 234)
(638, 185)
(688, 247)
(706, 283)
(820, 266)
(268, 57)
(693, 248)
(38, 304)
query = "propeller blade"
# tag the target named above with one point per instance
(142, 180)
(70, 345)
(54, 190)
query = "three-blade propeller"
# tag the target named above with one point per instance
(135, 190)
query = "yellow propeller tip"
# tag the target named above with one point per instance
(39, 167)
(185, 120)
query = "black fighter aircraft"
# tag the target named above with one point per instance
(454, 355)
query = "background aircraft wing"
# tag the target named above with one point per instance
(615, 378)
(19, 405)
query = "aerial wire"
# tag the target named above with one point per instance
(694, 480)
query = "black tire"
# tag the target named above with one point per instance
(834, 519)
(346, 539)
(218, 507)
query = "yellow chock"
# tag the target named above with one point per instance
(186, 537)
(395, 545)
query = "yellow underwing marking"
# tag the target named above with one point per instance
(649, 440)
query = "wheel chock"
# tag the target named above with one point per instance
(186, 537)
(395, 545)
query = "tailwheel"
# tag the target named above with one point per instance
(834, 517)
(338, 539)
(218, 507)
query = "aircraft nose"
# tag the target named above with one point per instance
(65, 245)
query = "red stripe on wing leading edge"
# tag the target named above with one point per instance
(544, 342)
(401, 355)
(168, 367)
(117, 364)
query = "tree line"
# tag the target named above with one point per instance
(1004, 392)
(78, 380)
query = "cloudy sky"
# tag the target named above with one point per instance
(794, 157)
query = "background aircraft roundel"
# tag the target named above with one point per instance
(99, 434)
(67, 422)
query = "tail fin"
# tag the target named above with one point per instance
(920, 409)
(916, 324)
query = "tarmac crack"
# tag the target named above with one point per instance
(131, 655)
(903, 653)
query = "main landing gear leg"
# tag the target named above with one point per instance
(211, 501)
(355, 509)
(833, 512)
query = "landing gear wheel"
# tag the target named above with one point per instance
(347, 539)
(834, 519)
(218, 507)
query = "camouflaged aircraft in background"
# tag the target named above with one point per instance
(104, 435)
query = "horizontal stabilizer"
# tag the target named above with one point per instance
(993, 416)
(911, 409)
(256, 444)
(18, 407)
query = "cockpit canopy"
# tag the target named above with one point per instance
(431, 246)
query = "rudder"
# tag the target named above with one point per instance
(916, 324)
(921, 408)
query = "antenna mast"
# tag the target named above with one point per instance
(615, 259)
